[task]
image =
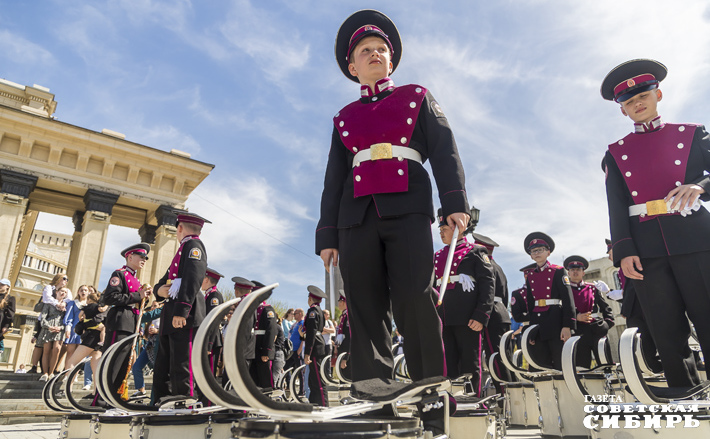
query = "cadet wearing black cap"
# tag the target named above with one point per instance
(183, 311)
(499, 322)
(124, 294)
(342, 338)
(265, 331)
(213, 298)
(467, 304)
(376, 206)
(314, 348)
(549, 300)
(594, 315)
(660, 236)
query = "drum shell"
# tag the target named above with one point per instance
(215, 425)
(522, 404)
(564, 408)
(348, 428)
(477, 423)
(75, 426)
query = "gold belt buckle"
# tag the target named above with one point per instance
(656, 207)
(380, 151)
(542, 302)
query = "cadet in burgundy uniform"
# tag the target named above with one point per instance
(265, 330)
(499, 322)
(519, 306)
(631, 310)
(594, 315)
(467, 304)
(342, 338)
(549, 300)
(183, 311)
(213, 299)
(376, 206)
(660, 235)
(314, 348)
(124, 294)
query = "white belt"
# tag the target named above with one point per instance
(654, 207)
(259, 331)
(596, 315)
(497, 299)
(548, 302)
(381, 151)
(452, 280)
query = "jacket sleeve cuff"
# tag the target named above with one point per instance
(326, 237)
(454, 201)
(623, 248)
(481, 316)
(182, 309)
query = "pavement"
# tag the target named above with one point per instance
(51, 431)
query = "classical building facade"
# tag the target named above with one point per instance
(95, 178)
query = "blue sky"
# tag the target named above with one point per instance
(252, 87)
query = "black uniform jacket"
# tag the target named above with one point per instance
(189, 302)
(7, 314)
(268, 323)
(500, 309)
(432, 138)
(600, 326)
(551, 321)
(314, 324)
(519, 305)
(122, 315)
(460, 306)
(213, 299)
(665, 234)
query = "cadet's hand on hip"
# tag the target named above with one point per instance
(629, 265)
(459, 219)
(179, 322)
(685, 196)
(264, 359)
(327, 254)
(307, 359)
(565, 334)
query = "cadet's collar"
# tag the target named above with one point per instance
(581, 284)
(381, 85)
(188, 237)
(544, 267)
(130, 270)
(653, 125)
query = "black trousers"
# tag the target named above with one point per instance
(648, 346)
(388, 264)
(492, 335)
(116, 375)
(172, 375)
(548, 353)
(260, 372)
(318, 392)
(462, 349)
(587, 346)
(673, 286)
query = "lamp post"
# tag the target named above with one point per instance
(473, 222)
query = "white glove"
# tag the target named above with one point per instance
(339, 339)
(174, 288)
(602, 286)
(690, 209)
(615, 294)
(466, 282)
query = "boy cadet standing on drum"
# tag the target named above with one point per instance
(377, 209)
(660, 236)
(183, 312)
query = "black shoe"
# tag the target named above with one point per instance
(33, 369)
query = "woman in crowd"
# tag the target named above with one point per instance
(7, 310)
(52, 333)
(287, 321)
(71, 318)
(90, 327)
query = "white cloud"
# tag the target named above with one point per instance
(17, 48)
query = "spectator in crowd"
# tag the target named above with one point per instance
(151, 320)
(7, 311)
(36, 360)
(295, 337)
(287, 321)
(58, 282)
(277, 367)
(21, 369)
(71, 318)
(52, 332)
(90, 327)
(398, 339)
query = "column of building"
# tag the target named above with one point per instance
(15, 189)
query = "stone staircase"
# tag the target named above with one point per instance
(21, 398)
